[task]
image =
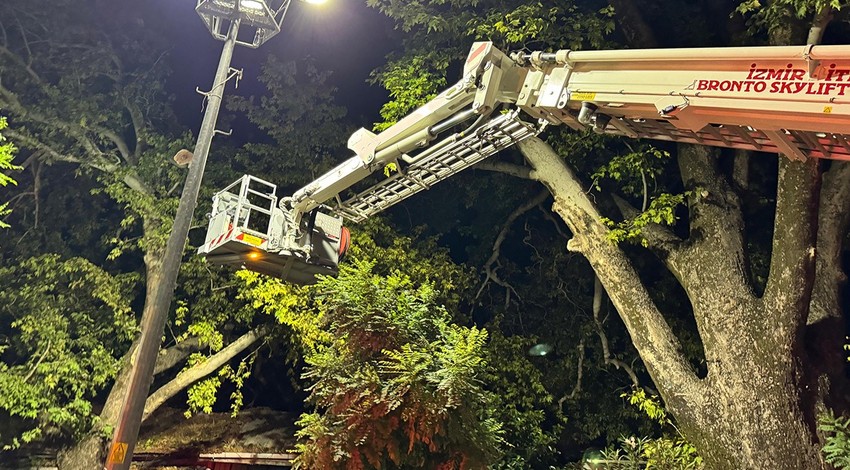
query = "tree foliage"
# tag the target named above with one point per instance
(519, 399)
(299, 114)
(397, 387)
(438, 33)
(769, 15)
(86, 88)
(66, 324)
(7, 153)
(836, 449)
(395, 383)
(703, 221)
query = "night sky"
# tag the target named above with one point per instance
(344, 36)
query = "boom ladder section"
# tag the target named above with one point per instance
(450, 156)
(793, 100)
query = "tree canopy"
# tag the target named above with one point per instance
(692, 301)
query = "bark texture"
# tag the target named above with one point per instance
(746, 412)
(826, 383)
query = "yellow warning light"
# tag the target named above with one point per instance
(254, 255)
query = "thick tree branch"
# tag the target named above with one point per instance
(138, 121)
(833, 225)
(132, 180)
(741, 169)
(119, 142)
(792, 261)
(202, 370)
(661, 240)
(25, 140)
(73, 131)
(819, 24)
(825, 379)
(174, 355)
(716, 226)
(520, 171)
(658, 346)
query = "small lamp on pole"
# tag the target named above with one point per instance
(223, 18)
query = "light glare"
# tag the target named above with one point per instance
(316, 2)
(540, 350)
(252, 4)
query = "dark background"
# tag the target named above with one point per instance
(344, 36)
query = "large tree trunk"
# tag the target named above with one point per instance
(826, 382)
(746, 412)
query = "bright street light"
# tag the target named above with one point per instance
(223, 18)
(252, 4)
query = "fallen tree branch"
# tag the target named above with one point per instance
(202, 370)
(172, 356)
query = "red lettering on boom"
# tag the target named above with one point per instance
(775, 74)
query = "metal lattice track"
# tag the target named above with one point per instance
(444, 159)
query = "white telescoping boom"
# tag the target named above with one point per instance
(793, 100)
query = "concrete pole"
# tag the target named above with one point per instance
(156, 310)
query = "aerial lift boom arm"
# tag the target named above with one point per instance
(792, 100)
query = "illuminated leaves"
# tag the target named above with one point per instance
(70, 323)
(768, 15)
(636, 174)
(7, 152)
(661, 211)
(411, 83)
(836, 449)
(397, 385)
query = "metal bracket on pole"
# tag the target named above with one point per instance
(228, 133)
(232, 73)
(235, 73)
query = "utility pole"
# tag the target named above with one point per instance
(155, 312)
(223, 18)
